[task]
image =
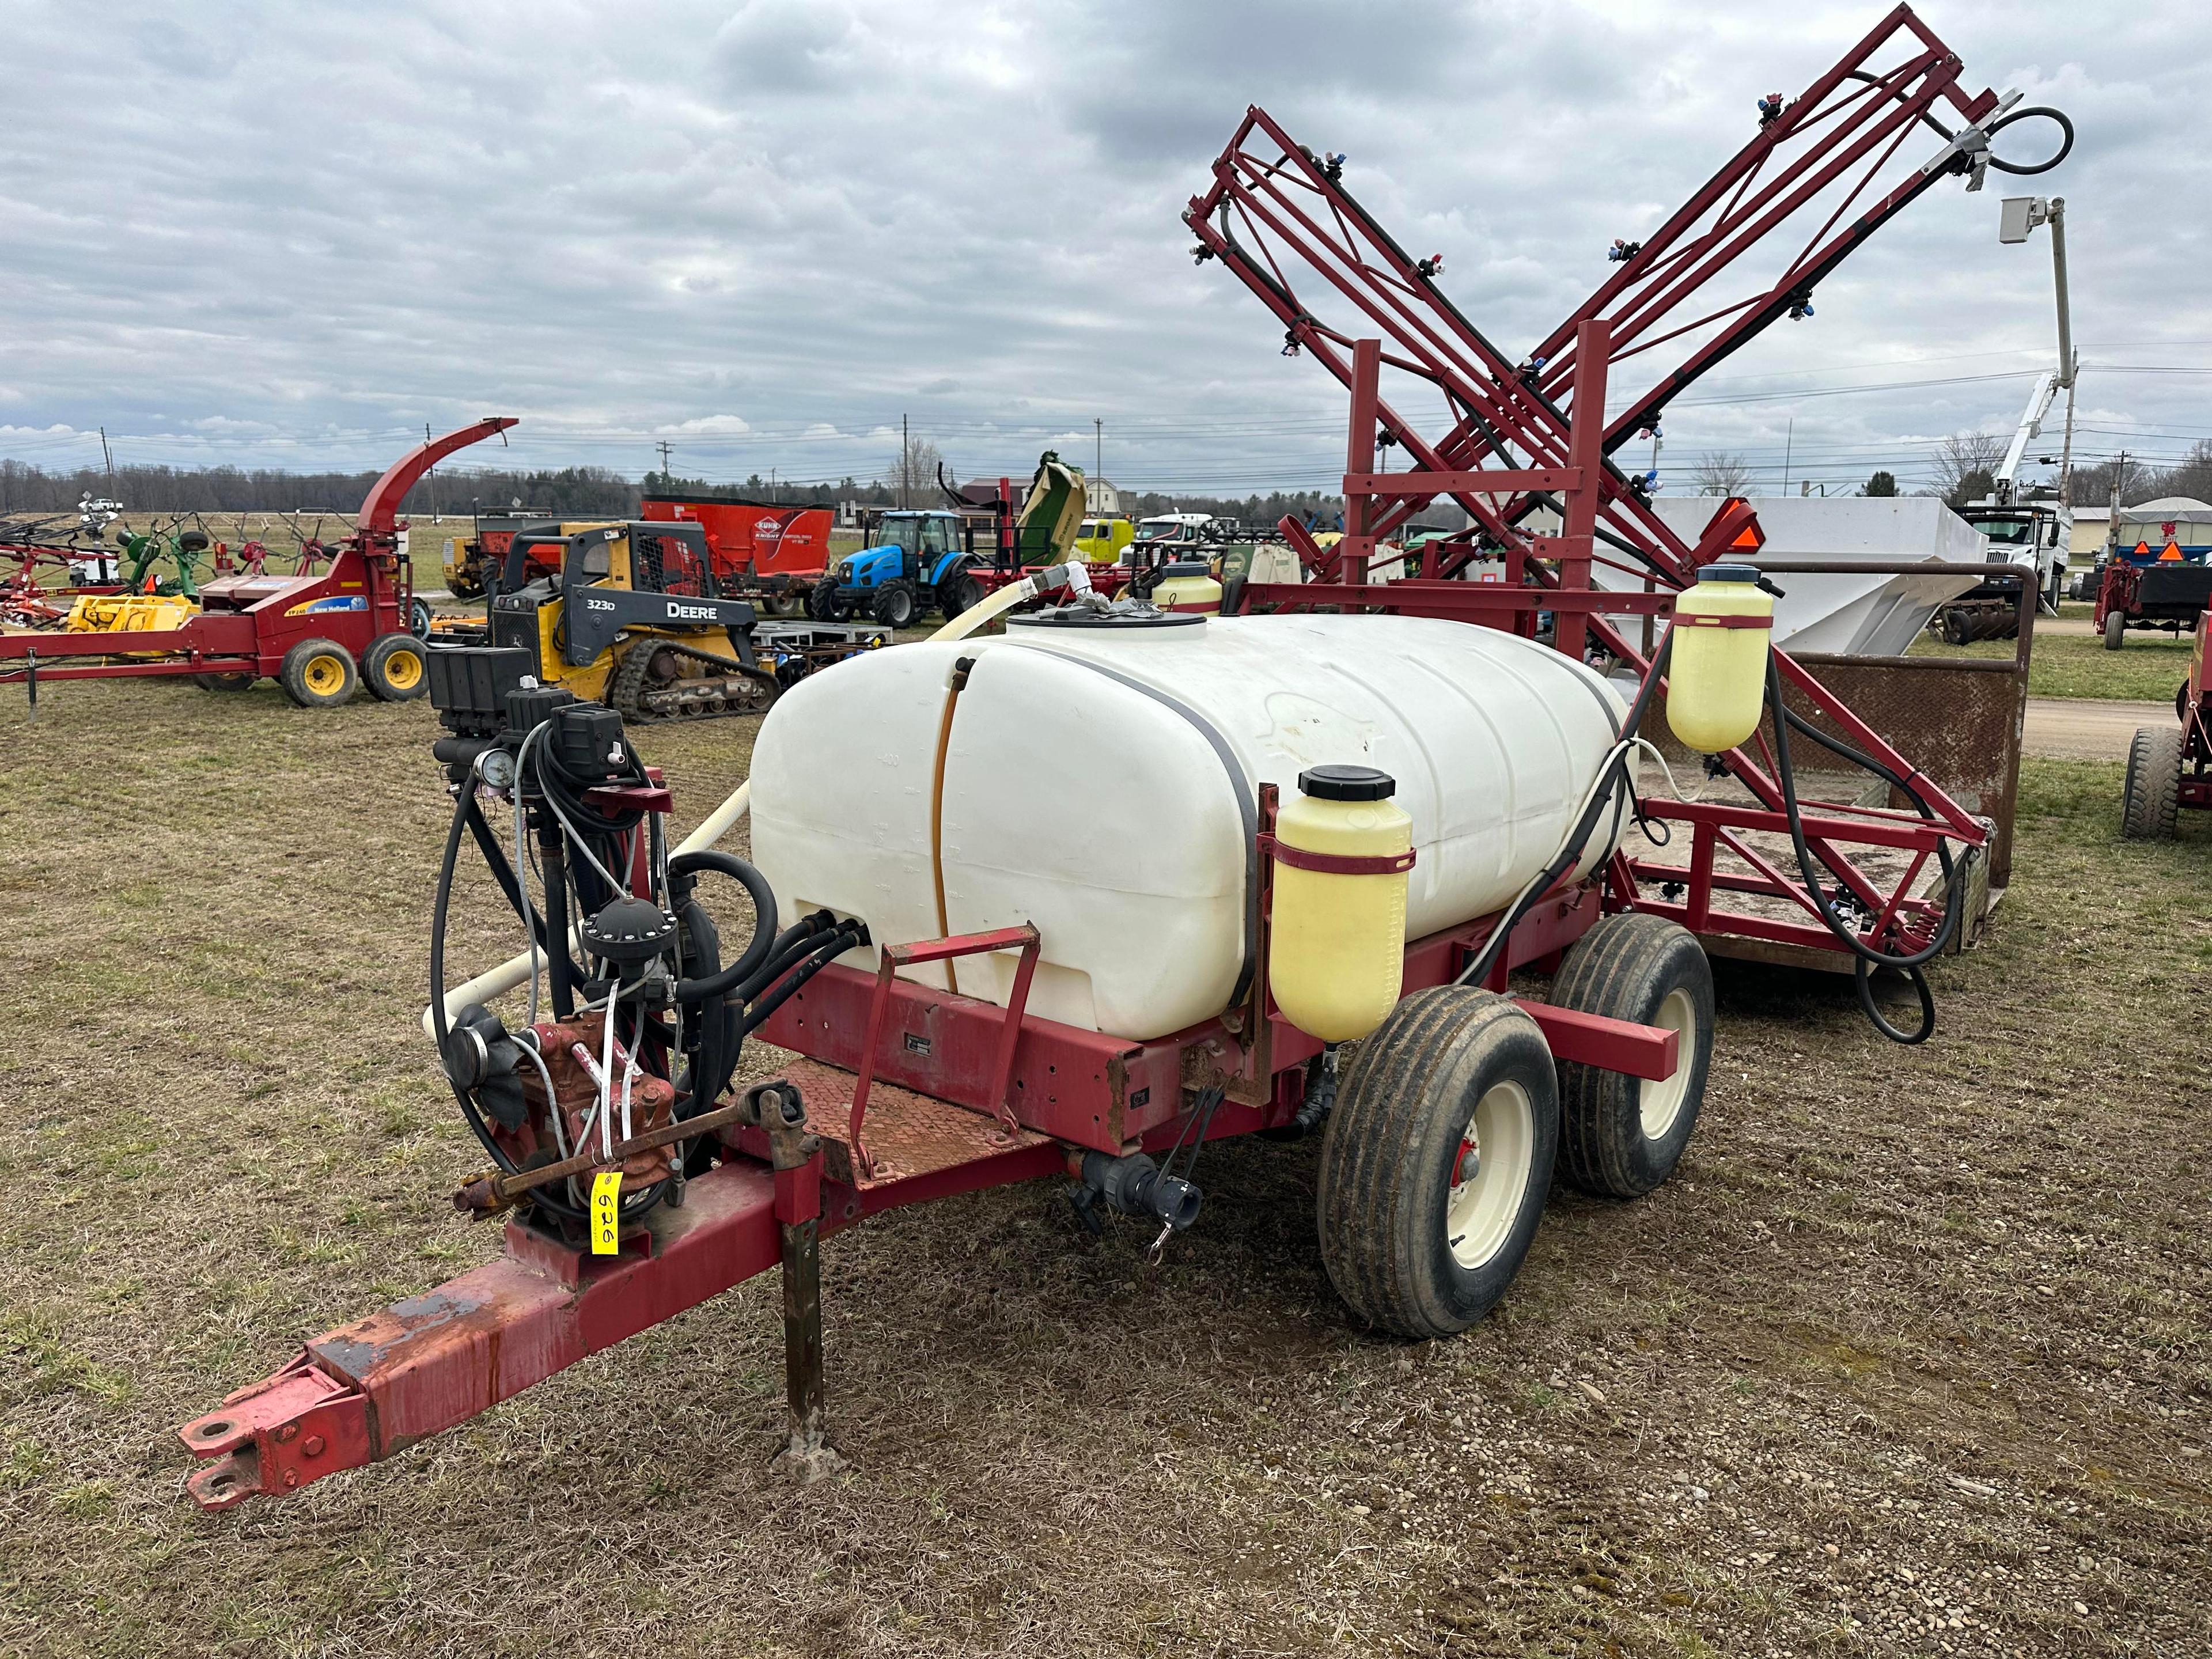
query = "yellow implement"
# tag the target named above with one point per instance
(130, 613)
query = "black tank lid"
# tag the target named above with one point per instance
(1347, 783)
(1728, 572)
(1123, 617)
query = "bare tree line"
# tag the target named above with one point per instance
(1964, 467)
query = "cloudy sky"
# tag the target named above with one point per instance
(291, 235)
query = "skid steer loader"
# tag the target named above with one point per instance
(628, 616)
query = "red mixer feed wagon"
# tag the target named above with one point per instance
(759, 548)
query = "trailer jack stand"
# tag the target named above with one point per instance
(796, 1154)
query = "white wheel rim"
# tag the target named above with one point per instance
(1489, 1177)
(1661, 1103)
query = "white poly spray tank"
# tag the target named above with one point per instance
(1100, 778)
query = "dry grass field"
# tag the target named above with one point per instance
(1912, 1357)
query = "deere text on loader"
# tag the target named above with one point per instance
(630, 616)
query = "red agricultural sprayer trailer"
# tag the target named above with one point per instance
(320, 636)
(634, 1182)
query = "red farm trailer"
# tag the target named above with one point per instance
(902, 1091)
(761, 549)
(320, 636)
(2170, 767)
(2149, 593)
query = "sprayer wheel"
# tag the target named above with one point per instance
(2116, 629)
(1620, 1136)
(1436, 1160)
(2150, 800)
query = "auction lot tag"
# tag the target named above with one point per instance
(607, 1212)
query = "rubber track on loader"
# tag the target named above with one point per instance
(695, 697)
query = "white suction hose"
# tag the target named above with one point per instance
(515, 970)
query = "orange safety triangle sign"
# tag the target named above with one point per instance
(2169, 551)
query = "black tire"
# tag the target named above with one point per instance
(895, 604)
(2150, 800)
(418, 618)
(1398, 1137)
(396, 669)
(822, 603)
(240, 682)
(319, 674)
(1620, 1136)
(2181, 702)
(2116, 629)
(962, 592)
(1957, 631)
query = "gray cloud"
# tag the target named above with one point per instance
(287, 235)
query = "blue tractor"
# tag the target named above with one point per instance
(914, 562)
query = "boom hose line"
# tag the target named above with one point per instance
(1865, 957)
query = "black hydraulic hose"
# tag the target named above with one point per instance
(1997, 126)
(796, 941)
(561, 982)
(1478, 971)
(717, 1060)
(834, 944)
(503, 872)
(763, 939)
(2065, 148)
(854, 932)
(463, 804)
(1865, 957)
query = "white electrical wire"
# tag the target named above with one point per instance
(607, 1083)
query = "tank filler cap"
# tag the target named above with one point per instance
(1347, 783)
(1728, 572)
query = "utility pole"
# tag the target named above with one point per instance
(664, 446)
(106, 455)
(1097, 464)
(2113, 523)
(430, 477)
(906, 463)
(1788, 443)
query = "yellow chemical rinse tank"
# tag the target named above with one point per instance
(1188, 586)
(1717, 682)
(1337, 948)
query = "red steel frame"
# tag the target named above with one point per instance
(369, 1389)
(248, 623)
(1525, 436)
(2195, 707)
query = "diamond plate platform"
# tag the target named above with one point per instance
(907, 1135)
